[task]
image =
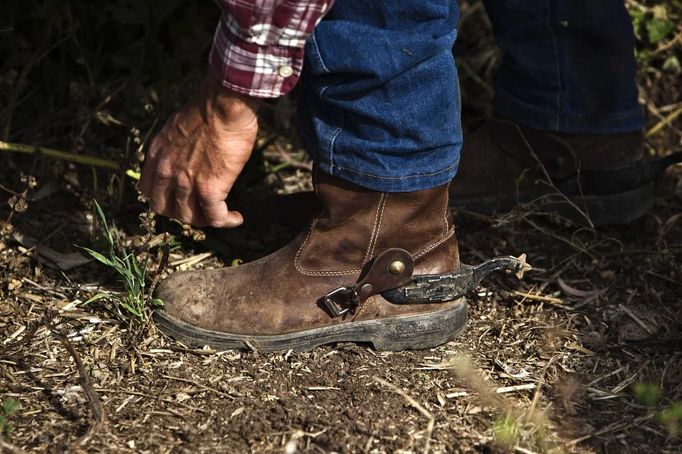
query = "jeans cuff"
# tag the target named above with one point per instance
(507, 106)
(403, 183)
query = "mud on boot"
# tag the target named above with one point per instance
(338, 281)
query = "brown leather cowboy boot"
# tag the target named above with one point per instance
(600, 177)
(279, 303)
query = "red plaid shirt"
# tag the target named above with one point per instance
(258, 46)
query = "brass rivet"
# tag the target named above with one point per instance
(366, 289)
(396, 267)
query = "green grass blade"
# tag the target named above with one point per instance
(94, 298)
(107, 232)
(99, 257)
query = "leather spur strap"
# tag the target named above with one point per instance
(390, 274)
(388, 270)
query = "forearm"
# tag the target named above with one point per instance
(258, 46)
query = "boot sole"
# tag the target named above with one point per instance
(407, 332)
(603, 209)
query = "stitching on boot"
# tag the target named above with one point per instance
(432, 246)
(360, 310)
(377, 226)
(446, 208)
(299, 267)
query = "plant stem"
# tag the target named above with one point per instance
(664, 122)
(66, 156)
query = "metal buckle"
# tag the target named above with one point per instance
(341, 300)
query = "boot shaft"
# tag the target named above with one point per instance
(357, 223)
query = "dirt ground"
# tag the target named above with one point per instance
(582, 355)
(569, 343)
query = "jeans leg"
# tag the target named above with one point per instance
(379, 101)
(567, 65)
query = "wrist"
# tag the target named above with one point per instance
(227, 105)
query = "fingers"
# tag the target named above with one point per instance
(216, 213)
(166, 197)
(234, 219)
(182, 202)
(187, 208)
(162, 196)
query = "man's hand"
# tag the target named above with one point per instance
(195, 159)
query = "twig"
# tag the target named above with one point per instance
(196, 383)
(288, 161)
(665, 278)
(637, 320)
(29, 334)
(24, 340)
(653, 109)
(521, 450)
(511, 389)
(535, 297)
(188, 262)
(162, 265)
(667, 120)
(155, 397)
(668, 44)
(16, 194)
(192, 351)
(478, 80)
(560, 238)
(6, 446)
(417, 406)
(618, 425)
(550, 182)
(98, 413)
(468, 12)
(540, 384)
(498, 390)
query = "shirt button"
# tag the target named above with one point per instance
(285, 71)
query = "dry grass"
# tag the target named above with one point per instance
(583, 355)
(550, 374)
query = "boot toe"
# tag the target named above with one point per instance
(186, 296)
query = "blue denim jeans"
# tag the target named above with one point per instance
(380, 102)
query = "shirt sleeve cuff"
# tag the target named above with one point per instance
(251, 69)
